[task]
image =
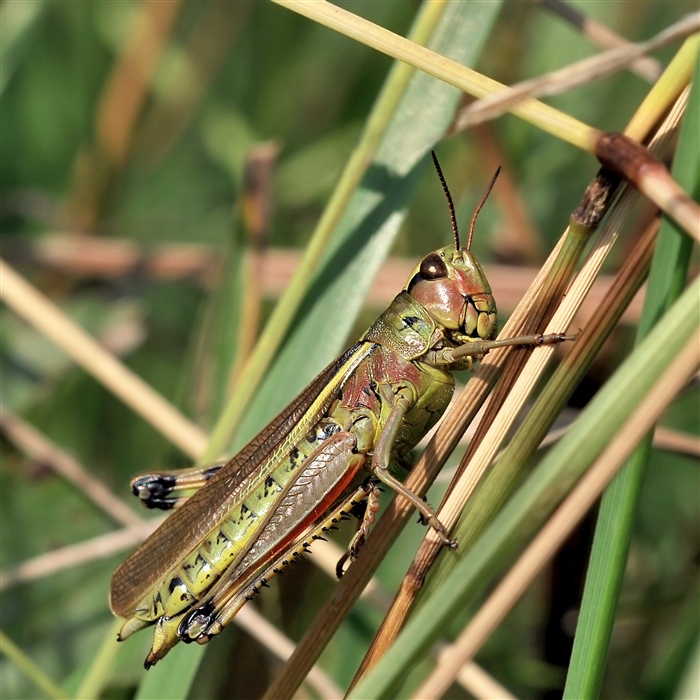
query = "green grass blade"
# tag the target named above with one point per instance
(172, 680)
(98, 671)
(619, 504)
(29, 668)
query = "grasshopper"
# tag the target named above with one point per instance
(304, 472)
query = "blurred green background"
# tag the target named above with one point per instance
(161, 163)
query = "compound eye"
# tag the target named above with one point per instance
(433, 267)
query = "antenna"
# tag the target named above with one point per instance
(481, 204)
(453, 218)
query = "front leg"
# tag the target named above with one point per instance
(462, 357)
(401, 402)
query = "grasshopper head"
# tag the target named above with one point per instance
(451, 286)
